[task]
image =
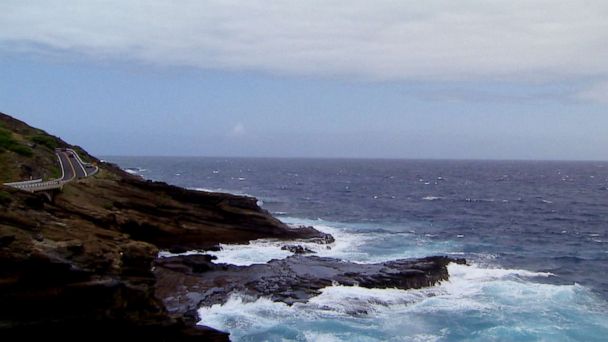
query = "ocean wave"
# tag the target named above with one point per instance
(476, 303)
(205, 189)
(225, 191)
(167, 254)
(259, 202)
(135, 170)
(352, 243)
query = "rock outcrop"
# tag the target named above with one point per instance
(81, 263)
(187, 282)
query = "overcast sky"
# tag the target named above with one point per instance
(398, 79)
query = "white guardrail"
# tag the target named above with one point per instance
(86, 165)
(39, 180)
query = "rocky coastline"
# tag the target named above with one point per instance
(83, 263)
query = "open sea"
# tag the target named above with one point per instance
(535, 233)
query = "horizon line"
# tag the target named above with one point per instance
(357, 158)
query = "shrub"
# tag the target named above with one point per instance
(45, 140)
(7, 142)
(6, 139)
(5, 198)
(22, 150)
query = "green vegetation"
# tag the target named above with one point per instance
(6, 139)
(45, 140)
(23, 150)
(81, 153)
(51, 172)
(5, 198)
(108, 205)
(7, 142)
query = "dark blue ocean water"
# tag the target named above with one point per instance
(536, 233)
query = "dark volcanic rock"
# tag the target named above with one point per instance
(83, 262)
(297, 249)
(295, 279)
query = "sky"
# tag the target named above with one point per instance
(355, 79)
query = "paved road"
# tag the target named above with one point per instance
(77, 165)
(72, 167)
(67, 166)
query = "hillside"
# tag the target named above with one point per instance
(27, 152)
(82, 263)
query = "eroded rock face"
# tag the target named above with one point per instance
(297, 249)
(188, 282)
(83, 263)
(88, 260)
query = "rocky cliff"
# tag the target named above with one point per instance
(84, 264)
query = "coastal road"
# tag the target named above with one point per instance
(68, 170)
(72, 167)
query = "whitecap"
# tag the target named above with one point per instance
(476, 301)
(167, 254)
(367, 246)
(225, 191)
(432, 198)
(205, 189)
(135, 170)
(256, 252)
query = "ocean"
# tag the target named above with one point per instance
(534, 232)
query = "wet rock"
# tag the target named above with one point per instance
(297, 249)
(294, 279)
(6, 240)
(76, 264)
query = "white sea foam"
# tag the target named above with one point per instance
(135, 170)
(167, 254)
(225, 191)
(205, 189)
(348, 245)
(432, 198)
(256, 252)
(263, 250)
(478, 300)
(472, 298)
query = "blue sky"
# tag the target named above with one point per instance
(211, 79)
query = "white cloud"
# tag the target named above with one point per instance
(597, 93)
(380, 39)
(238, 130)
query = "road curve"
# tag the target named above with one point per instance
(72, 167)
(69, 171)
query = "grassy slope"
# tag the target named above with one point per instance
(28, 152)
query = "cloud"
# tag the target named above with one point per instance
(377, 40)
(597, 93)
(238, 130)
